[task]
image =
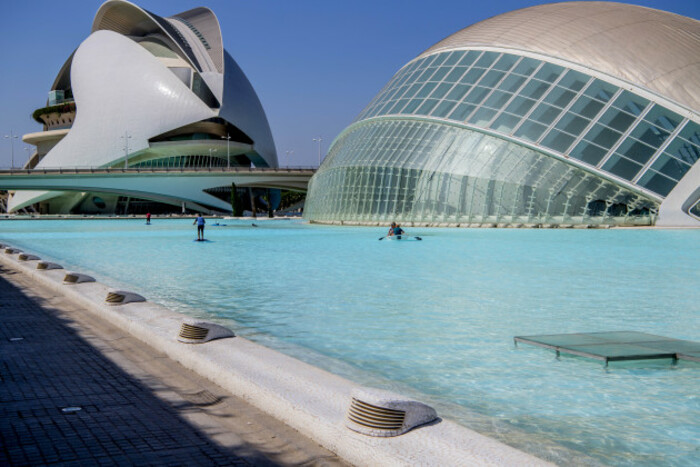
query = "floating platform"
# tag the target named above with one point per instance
(616, 346)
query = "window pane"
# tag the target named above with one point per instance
(691, 132)
(526, 66)
(671, 167)
(636, 151)
(491, 78)
(558, 141)
(497, 99)
(444, 108)
(684, 151)
(425, 74)
(602, 136)
(412, 90)
(601, 90)
(482, 116)
(477, 95)
(572, 123)
(663, 118)
(454, 75)
(427, 106)
(530, 131)
(622, 167)
(512, 83)
(458, 92)
(440, 59)
(545, 114)
(630, 103)
(587, 107)
(505, 62)
(473, 75)
(656, 183)
(650, 134)
(520, 106)
(469, 58)
(573, 80)
(412, 106)
(505, 123)
(462, 112)
(534, 89)
(588, 153)
(439, 74)
(616, 119)
(441, 90)
(453, 58)
(549, 72)
(560, 97)
(487, 59)
(427, 89)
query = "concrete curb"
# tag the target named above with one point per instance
(309, 399)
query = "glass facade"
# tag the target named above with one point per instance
(514, 99)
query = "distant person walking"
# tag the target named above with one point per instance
(148, 218)
(200, 227)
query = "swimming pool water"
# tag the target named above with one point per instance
(436, 318)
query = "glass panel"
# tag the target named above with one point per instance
(412, 106)
(469, 58)
(683, 150)
(487, 59)
(621, 167)
(398, 106)
(588, 153)
(482, 116)
(441, 90)
(512, 83)
(491, 78)
(530, 131)
(453, 58)
(458, 92)
(439, 74)
(671, 167)
(526, 66)
(545, 114)
(440, 58)
(636, 151)
(650, 134)
(462, 112)
(656, 183)
(427, 73)
(412, 90)
(560, 97)
(444, 108)
(454, 75)
(691, 132)
(505, 62)
(477, 95)
(601, 90)
(520, 106)
(603, 136)
(630, 103)
(663, 118)
(616, 119)
(573, 80)
(549, 72)
(587, 107)
(473, 75)
(505, 123)
(497, 99)
(427, 106)
(572, 123)
(534, 89)
(558, 141)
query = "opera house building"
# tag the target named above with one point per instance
(566, 114)
(148, 91)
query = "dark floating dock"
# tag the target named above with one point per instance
(616, 346)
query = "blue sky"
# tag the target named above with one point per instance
(315, 64)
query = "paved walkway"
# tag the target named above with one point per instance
(136, 406)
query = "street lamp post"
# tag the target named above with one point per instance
(12, 137)
(126, 139)
(29, 154)
(211, 150)
(228, 149)
(289, 153)
(319, 149)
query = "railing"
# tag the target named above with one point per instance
(106, 170)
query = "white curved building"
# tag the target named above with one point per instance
(147, 91)
(570, 113)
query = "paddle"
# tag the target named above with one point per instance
(417, 238)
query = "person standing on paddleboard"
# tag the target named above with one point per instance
(200, 226)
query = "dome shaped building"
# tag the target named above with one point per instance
(577, 113)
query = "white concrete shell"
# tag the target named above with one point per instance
(123, 88)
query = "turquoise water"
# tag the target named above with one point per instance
(436, 318)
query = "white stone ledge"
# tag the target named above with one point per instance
(309, 399)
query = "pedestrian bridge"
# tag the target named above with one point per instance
(169, 185)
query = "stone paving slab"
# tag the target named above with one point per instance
(48, 364)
